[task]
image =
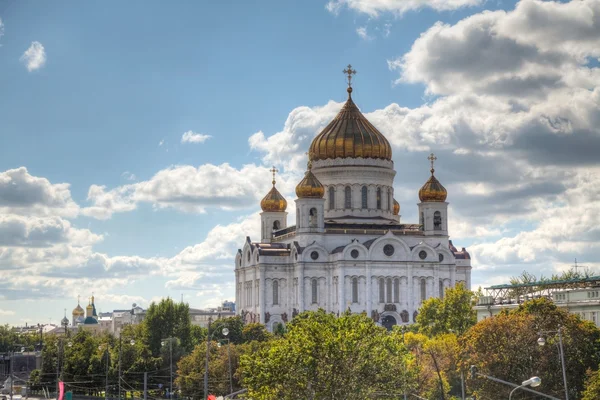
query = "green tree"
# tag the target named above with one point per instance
(453, 313)
(255, 331)
(592, 386)
(325, 357)
(505, 346)
(167, 319)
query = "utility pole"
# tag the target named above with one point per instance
(171, 363)
(106, 381)
(119, 378)
(12, 378)
(145, 386)
(206, 363)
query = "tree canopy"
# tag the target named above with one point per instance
(325, 357)
(453, 313)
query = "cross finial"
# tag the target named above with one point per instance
(78, 296)
(432, 159)
(309, 163)
(349, 72)
(273, 171)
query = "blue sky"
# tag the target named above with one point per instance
(99, 95)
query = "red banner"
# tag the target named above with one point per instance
(61, 390)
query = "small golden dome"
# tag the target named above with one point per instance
(78, 311)
(310, 187)
(273, 201)
(396, 207)
(433, 190)
(350, 135)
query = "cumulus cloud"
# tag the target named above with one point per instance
(34, 57)
(192, 137)
(24, 194)
(374, 8)
(187, 189)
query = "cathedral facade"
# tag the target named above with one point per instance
(348, 249)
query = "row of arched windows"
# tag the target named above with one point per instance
(389, 290)
(364, 198)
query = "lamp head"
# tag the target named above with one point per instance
(533, 382)
(132, 342)
(225, 331)
(541, 341)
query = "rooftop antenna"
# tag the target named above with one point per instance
(575, 266)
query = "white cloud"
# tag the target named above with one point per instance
(188, 189)
(374, 8)
(24, 194)
(363, 33)
(34, 57)
(1, 29)
(6, 312)
(161, 142)
(192, 137)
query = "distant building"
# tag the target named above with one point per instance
(201, 317)
(577, 296)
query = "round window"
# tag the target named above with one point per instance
(441, 257)
(422, 254)
(314, 255)
(354, 253)
(388, 249)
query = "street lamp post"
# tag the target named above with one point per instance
(229, 358)
(209, 336)
(533, 382)
(541, 341)
(105, 347)
(132, 342)
(170, 339)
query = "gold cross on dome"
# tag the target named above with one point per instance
(273, 170)
(349, 71)
(432, 159)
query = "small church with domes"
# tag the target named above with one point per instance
(348, 249)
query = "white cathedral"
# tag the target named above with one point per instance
(348, 249)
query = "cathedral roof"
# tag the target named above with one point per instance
(90, 321)
(350, 135)
(78, 311)
(273, 201)
(432, 190)
(310, 187)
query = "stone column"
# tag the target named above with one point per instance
(342, 288)
(436, 281)
(411, 299)
(301, 287)
(452, 275)
(262, 303)
(468, 278)
(368, 290)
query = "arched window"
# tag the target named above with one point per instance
(314, 289)
(396, 290)
(381, 290)
(363, 193)
(347, 198)
(276, 226)
(313, 218)
(390, 200)
(355, 290)
(275, 292)
(423, 290)
(297, 217)
(379, 198)
(422, 221)
(441, 289)
(331, 198)
(389, 290)
(437, 221)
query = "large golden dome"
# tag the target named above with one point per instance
(310, 187)
(273, 201)
(350, 135)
